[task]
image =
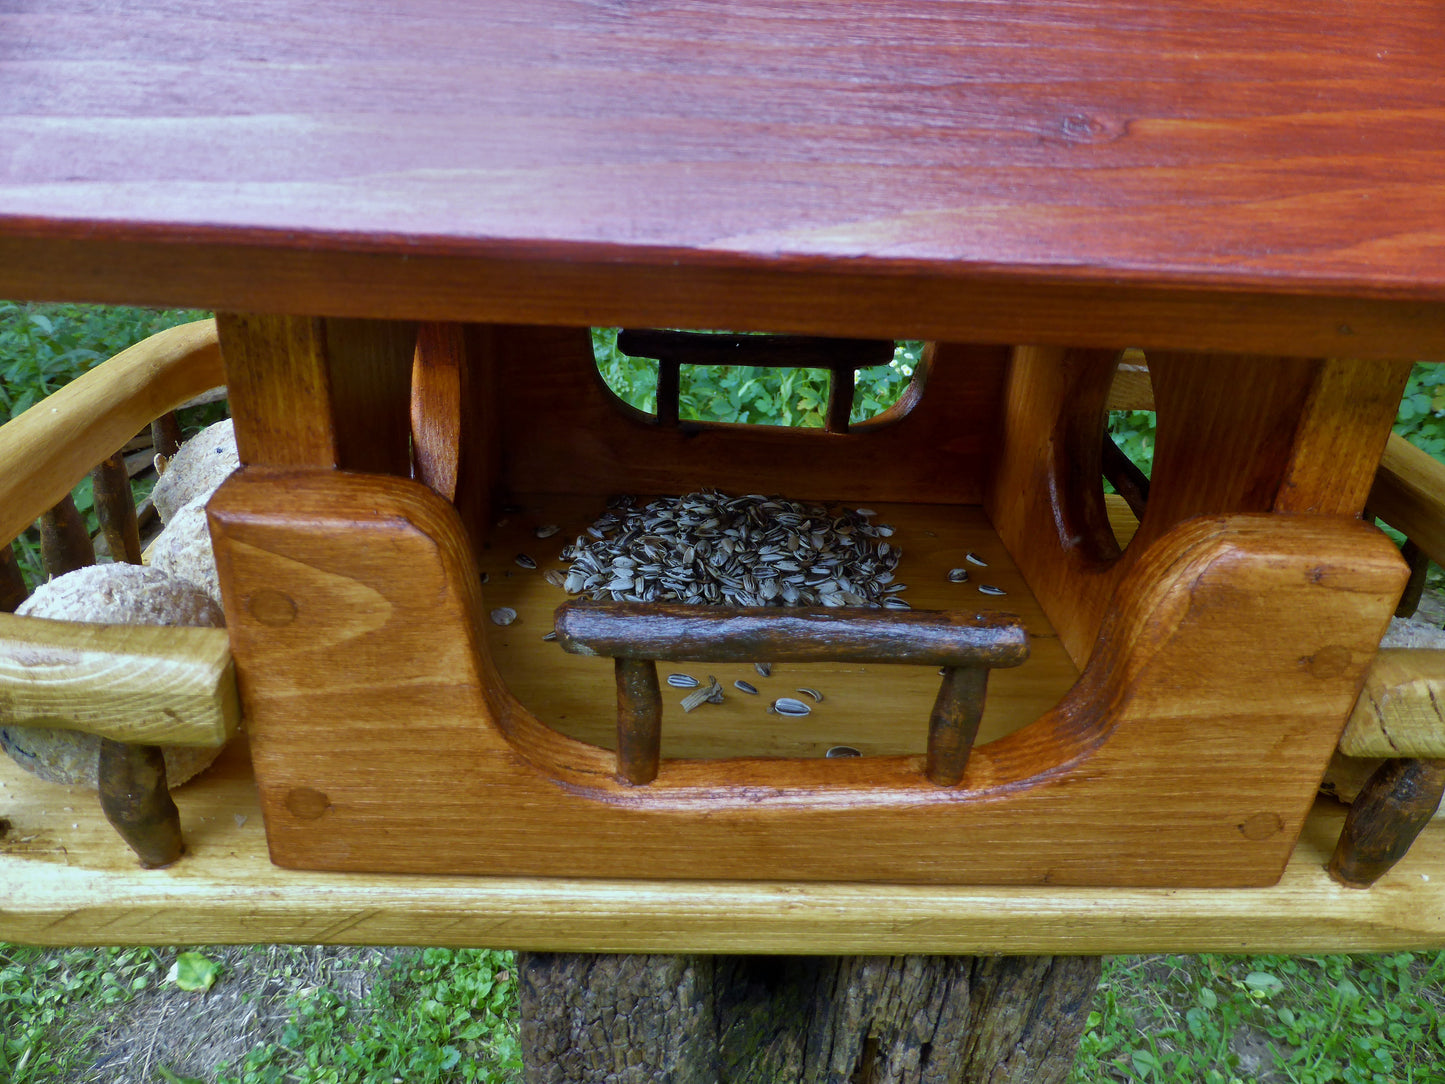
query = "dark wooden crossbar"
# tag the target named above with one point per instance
(673, 349)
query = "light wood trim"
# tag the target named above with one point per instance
(1409, 495)
(141, 684)
(1132, 389)
(1400, 713)
(64, 885)
(54, 444)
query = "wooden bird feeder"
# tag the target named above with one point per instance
(1125, 747)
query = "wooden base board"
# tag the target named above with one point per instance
(862, 705)
(67, 879)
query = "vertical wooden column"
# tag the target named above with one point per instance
(308, 392)
(370, 365)
(456, 442)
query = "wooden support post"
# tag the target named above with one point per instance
(954, 722)
(802, 1019)
(639, 720)
(136, 801)
(840, 400)
(669, 390)
(12, 584)
(1419, 562)
(166, 434)
(1390, 811)
(64, 542)
(115, 506)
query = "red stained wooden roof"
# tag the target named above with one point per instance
(1220, 150)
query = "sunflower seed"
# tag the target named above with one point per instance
(974, 559)
(683, 681)
(747, 687)
(525, 561)
(958, 575)
(710, 548)
(814, 693)
(550, 636)
(696, 698)
(503, 615)
(556, 577)
(990, 589)
(764, 668)
(486, 576)
(842, 751)
(786, 705)
(893, 602)
(548, 531)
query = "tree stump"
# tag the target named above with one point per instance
(803, 1019)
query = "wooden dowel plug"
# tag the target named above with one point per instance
(1393, 807)
(639, 720)
(115, 507)
(954, 722)
(135, 800)
(64, 542)
(12, 584)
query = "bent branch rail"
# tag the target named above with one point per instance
(133, 686)
(636, 634)
(56, 443)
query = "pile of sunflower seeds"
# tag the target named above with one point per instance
(709, 548)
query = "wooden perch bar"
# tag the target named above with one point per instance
(670, 630)
(636, 634)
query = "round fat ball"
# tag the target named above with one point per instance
(183, 549)
(197, 469)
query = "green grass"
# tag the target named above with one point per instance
(438, 1015)
(1210, 1019)
(42, 998)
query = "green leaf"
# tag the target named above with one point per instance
(171, 1078)
(1263, 984)
(192, 971)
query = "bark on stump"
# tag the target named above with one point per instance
(803, 1019)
